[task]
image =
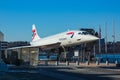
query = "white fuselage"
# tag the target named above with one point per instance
(66, 38)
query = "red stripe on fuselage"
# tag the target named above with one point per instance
(70, 33)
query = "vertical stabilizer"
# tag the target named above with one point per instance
(35, 36)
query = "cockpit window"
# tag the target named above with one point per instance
(83, 33)
(79, 33)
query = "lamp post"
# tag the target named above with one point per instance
(113, 36)
(106, 37)
(99, 39)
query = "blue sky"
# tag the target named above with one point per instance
(55, 16)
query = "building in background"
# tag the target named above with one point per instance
(18, 43)
(1, 36)
(3, 45)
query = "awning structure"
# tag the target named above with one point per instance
(27, 56)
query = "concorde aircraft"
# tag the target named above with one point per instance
(68, 38)
(64, 39)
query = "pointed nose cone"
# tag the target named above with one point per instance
(94, 38)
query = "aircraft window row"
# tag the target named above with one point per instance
(82, 33)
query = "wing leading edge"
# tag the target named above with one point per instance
(43, 47)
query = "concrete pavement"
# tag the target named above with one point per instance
(62, 72)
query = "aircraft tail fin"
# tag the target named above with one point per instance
(35, 34)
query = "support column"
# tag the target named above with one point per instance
(77, 54)
(81, 54)
(58, 58)
(34, 56)
(88, 59)
(19, 53)
(67, 62)
(6, 53)
(94, 50)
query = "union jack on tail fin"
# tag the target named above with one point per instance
(35, 36)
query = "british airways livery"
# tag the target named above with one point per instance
(68, 38)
